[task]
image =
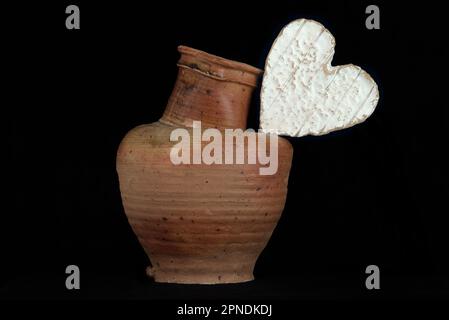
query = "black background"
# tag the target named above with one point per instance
(373, 194)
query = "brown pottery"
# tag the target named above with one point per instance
(201, 223)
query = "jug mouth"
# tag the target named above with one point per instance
(217, 67)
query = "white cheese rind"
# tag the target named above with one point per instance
(302, 94)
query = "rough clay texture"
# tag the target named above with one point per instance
(302, 94)
(201, 223)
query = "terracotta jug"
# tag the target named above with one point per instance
(201, 223)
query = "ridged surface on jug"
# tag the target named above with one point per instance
(201, 223)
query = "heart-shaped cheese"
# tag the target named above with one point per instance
(302, 94)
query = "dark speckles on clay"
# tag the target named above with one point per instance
(196, 220)
(193, 66)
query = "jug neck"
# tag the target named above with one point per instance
(210, 89)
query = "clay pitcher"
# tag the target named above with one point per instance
(203, 223)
